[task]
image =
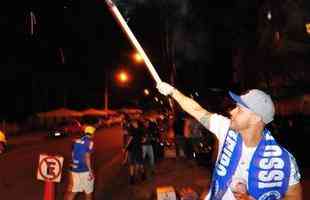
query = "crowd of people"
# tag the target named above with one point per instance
(250, 164)
(188, 133)
(142, 146)
(146, 140)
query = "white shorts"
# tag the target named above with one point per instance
(80, 182)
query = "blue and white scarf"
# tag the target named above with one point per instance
(269, 170)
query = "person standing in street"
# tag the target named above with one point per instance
(148, 138)
(125, 132)
(178, 128)
(187, 132)
(81, 175)
(250, 165)
(134, 148)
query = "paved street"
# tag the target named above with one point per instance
(170, 172)
(178, 173)
(18, 180)
(18, 170)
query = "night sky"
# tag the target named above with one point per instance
(76, 44)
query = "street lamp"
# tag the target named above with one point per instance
(106, 98)
(122, 76)
(137, 58)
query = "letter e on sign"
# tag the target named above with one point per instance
(50, 168)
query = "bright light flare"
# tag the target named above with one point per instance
(122, 77)
(137, 58)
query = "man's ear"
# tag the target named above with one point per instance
(256, 118)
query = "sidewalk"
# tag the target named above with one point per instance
(176, 172)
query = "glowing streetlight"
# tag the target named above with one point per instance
(137, 58)
(122, 77)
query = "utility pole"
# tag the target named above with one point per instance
(106, 94)
(65, 98)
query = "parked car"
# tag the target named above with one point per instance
(66, 128)
(3, 142)
(94, 121)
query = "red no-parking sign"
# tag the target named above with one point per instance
(50, 168)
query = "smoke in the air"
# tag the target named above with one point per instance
(186, 26)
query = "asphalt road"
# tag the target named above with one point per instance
(18, 168)
(18, 174)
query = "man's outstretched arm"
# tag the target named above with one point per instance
(187, 104)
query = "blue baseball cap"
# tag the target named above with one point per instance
(258, 102)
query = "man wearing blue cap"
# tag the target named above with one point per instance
(250, 163)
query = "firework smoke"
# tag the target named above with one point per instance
(186, 34)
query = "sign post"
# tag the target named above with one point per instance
(49, 170)
(166, 193)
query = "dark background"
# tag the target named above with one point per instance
(205, 35)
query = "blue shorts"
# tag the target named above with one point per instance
(135, 158)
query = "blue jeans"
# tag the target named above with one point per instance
(148, 150)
